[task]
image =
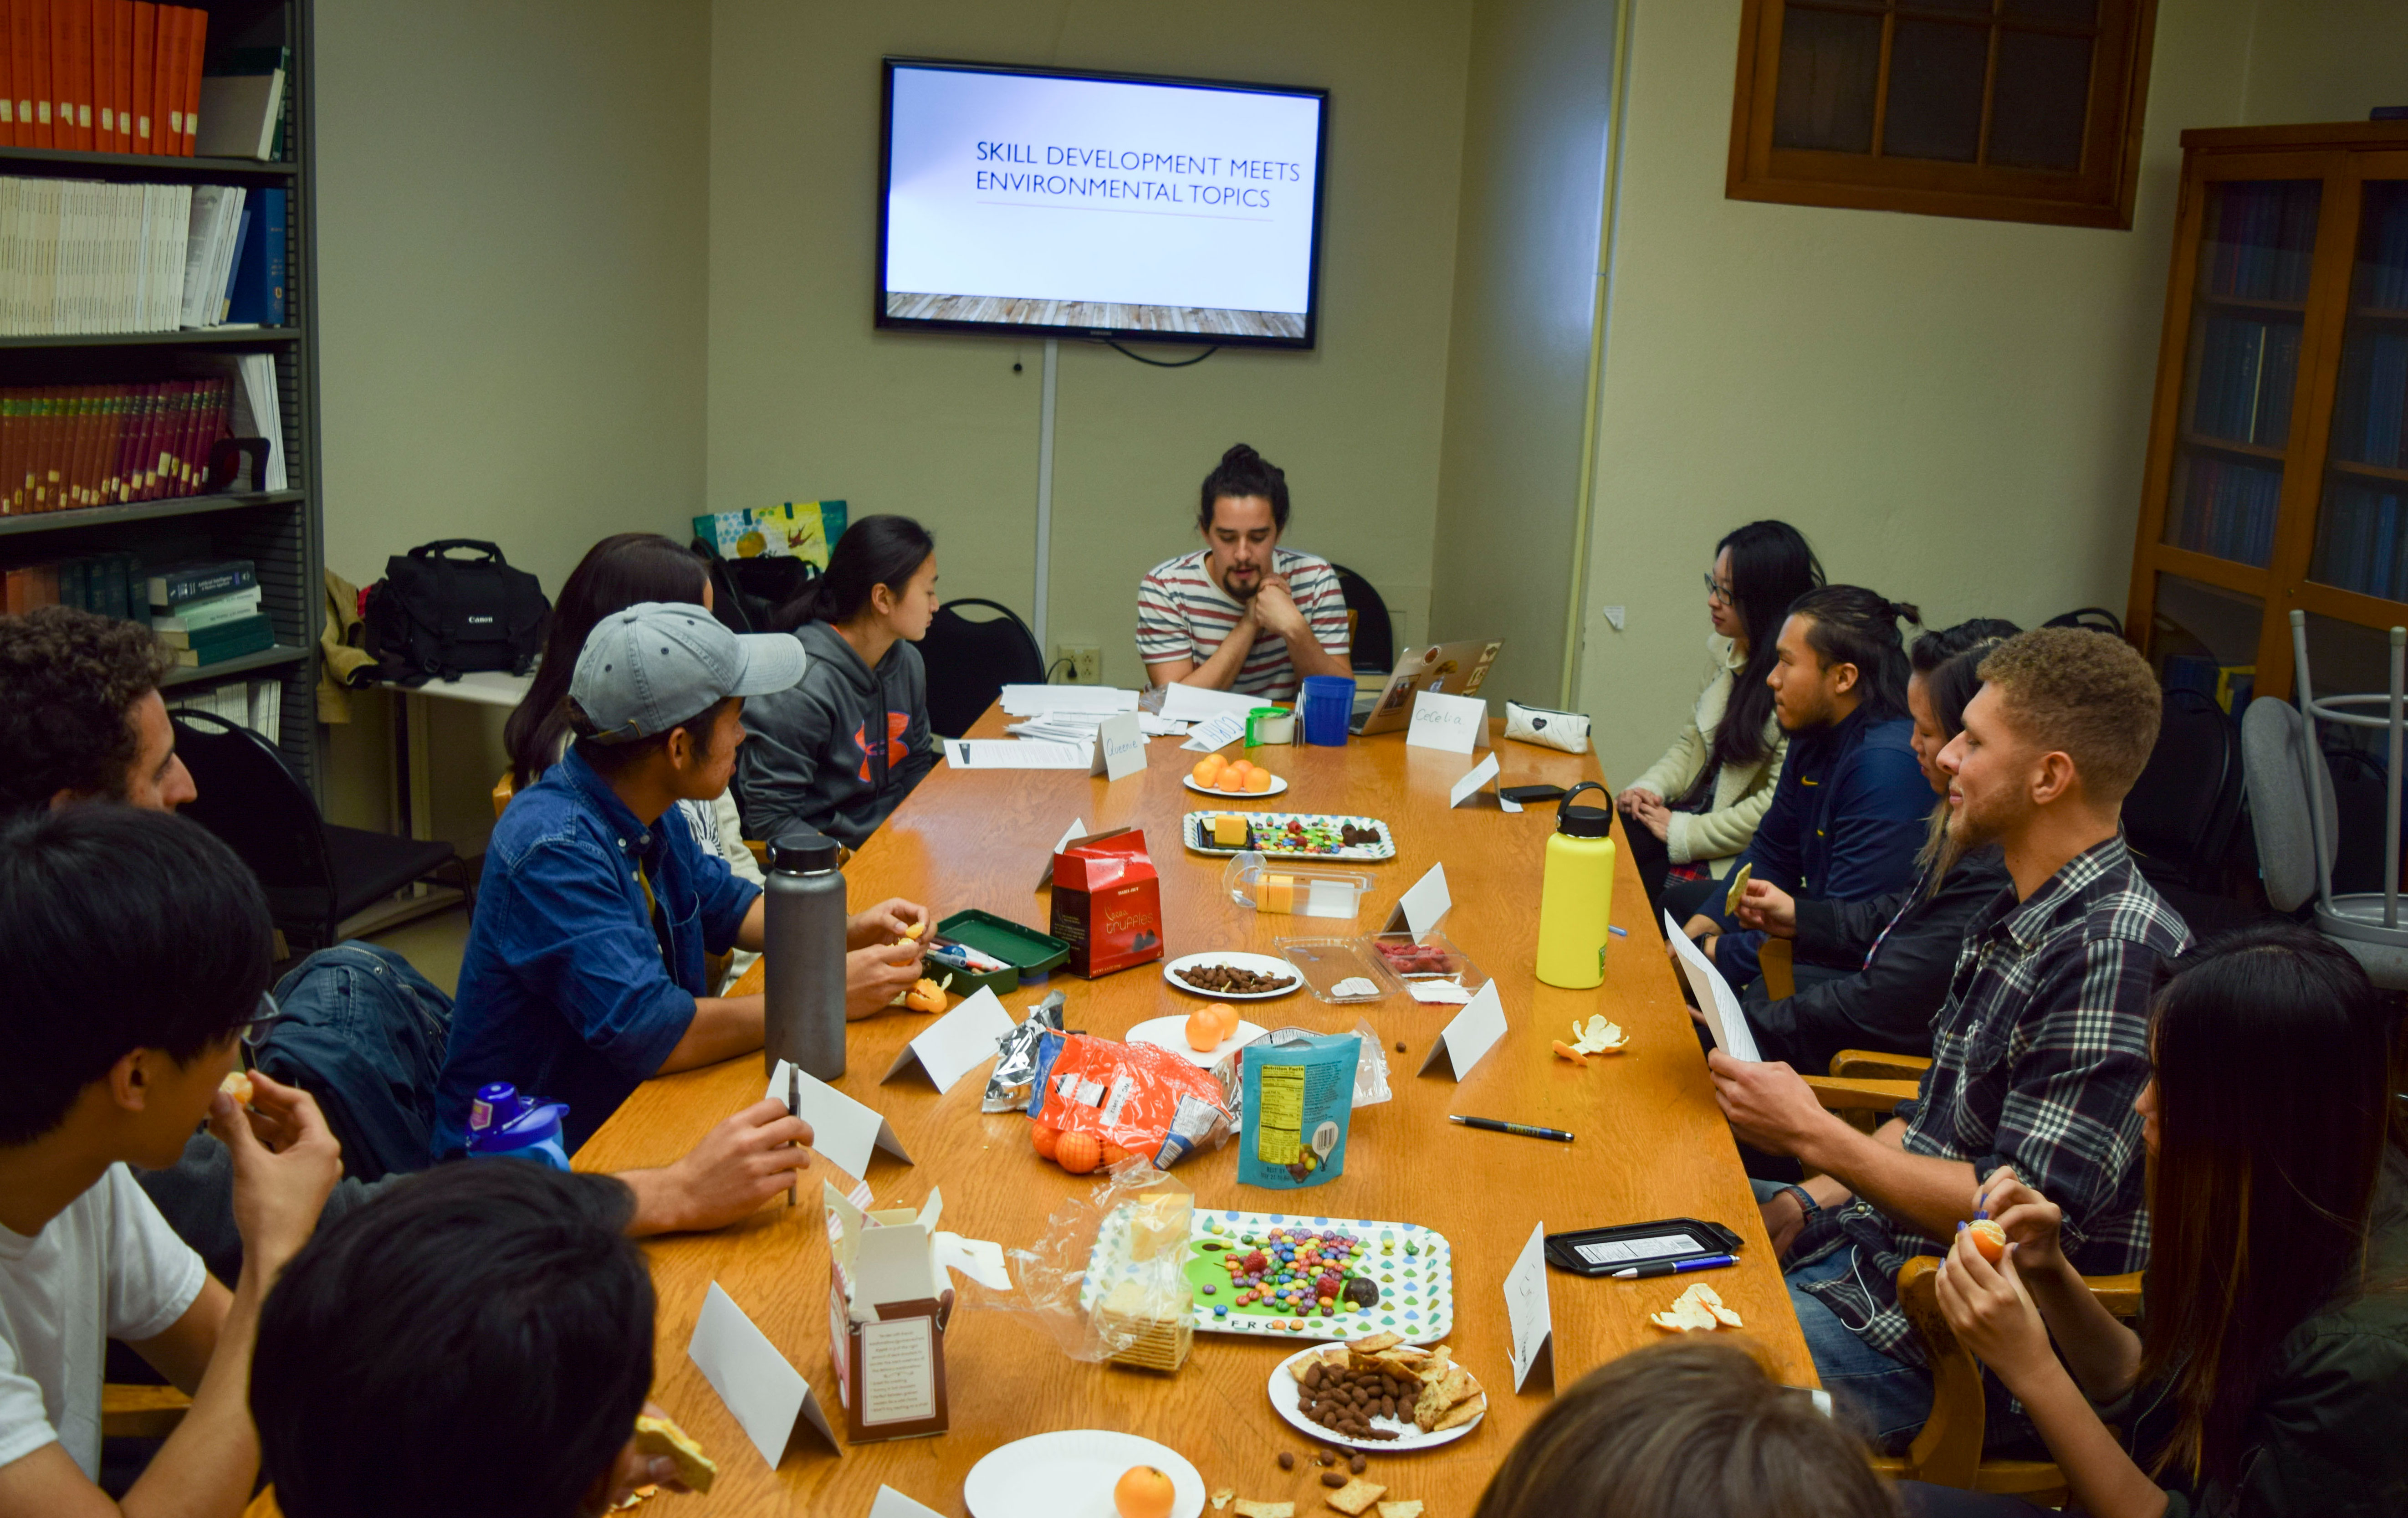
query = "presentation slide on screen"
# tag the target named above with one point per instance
(1064, 202)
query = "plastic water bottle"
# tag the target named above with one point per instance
(502, 1125)
(1577, 899)
(803, 941)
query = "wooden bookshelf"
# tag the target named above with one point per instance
(2277, 473)
(280, 530)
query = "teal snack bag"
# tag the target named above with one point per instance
(1298, 1096)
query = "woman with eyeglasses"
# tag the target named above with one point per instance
(1696, 809)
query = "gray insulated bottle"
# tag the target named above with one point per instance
(803, 1019)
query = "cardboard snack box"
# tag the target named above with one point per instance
(1107, 904)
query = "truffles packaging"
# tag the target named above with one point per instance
(1107, 904)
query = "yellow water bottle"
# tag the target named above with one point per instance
(1577, 899)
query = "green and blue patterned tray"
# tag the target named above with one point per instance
(1272, 839)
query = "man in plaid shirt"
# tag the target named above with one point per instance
(2038, 1054)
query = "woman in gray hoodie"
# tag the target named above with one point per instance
(839, 751)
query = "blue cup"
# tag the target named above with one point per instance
(1329, 707)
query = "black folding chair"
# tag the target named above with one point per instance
(315, 873)
(970, 662)
(1375, 638)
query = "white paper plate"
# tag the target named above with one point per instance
(1170, 1033)
(1261, 964)
(1070, 1474)
(1408, 1436)
(1279, 783)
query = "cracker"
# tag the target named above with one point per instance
(1444, 1392)
(1221, 1498)
(1440, 1362)
(662, 1436)
(1461, 1414)
(1737, 891)
(1401, 1509)
(1356, 1496)
(1264, 1510)
(1377, 1342)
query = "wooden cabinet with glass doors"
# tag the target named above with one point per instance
(2278, 450)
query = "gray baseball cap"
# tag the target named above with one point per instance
(657, 664)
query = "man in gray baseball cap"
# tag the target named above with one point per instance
(584, 975)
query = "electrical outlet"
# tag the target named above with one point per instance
(1086, 662)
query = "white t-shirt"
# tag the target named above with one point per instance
(107, 1267)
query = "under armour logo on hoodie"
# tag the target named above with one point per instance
(896, 753)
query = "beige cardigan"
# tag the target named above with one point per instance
(1741, 796)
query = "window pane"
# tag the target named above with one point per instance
(2361, 537)
(2224, 504)
(2260, 235)
(2076, 12)
(1935, 91)
(2194, 619)
(1827, 67)
(2042, 97)
(2359, 546)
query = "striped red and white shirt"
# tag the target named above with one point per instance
(1181, 614)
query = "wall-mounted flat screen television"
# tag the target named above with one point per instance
(1049, 202)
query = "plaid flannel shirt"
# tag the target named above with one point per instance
(2037, 1057)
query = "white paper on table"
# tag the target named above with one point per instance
(843, 1132)
(1194, 704)
(760, 1386)
(1029, 700)
(1218, 730)
(1527, 1314)
(1419, 909)
(1473, 779)
(1437, 992)
(955, 1044)
(1120, 747)
(893, 1504)
(1017, 754)
(1473, 1033)
(1723, 1018)
(1457, 724)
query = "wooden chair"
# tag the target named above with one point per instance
(1777, 964)
(131, 1412)
(504, 789)
(1948, 1451)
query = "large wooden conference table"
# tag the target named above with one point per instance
(1650, 1142)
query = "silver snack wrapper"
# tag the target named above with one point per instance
(1008, 1088)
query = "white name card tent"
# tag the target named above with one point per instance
(771, 1399)
(1120, 747)
(955, 1044)
(1457, 724)
(1017, 754)
(844, 1133)
(1219, 731)
(1527, 1315)
(1723, 1018)
(1419, 909)
(1474, 780)
(1472, 1033)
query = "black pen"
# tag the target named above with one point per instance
(1526, 1130)
(1675, 1268)
(793, 1110)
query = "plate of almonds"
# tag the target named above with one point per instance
(1379, 1394)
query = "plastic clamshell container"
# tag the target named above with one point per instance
(1032, 955)
(1250, 881)
(1459, 968)
(1324, 962)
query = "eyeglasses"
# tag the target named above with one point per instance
(1717, 590)
(255, 1027)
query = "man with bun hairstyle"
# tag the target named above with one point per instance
(1242, 613)
(2038, 1054)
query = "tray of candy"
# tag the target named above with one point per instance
(1292, 835)
(1301, 1278)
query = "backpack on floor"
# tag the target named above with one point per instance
(434, 614)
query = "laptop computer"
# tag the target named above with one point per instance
(1456, 669)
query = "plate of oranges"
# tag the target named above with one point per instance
(1218, 1027)
(1217, 777)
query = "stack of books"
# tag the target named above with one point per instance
(109, 584)
(103, 76)
(256, 704)
(210, 613)
(79, 256)
(62, 447)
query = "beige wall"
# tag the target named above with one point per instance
(1952, 411)
(2326, 60)
(511, 221)
(808, 400)
(1525, 295)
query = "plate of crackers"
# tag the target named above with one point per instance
(1379, 1394)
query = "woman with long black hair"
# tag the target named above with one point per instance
(838, 752)
(2269, 1374)
(1696, 809)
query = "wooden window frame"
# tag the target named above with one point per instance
(2099, 194)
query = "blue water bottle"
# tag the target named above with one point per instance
(502, 1123)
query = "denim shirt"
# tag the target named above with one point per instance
(564, 989)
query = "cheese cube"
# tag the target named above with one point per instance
(1229, 831)
(1279, 894)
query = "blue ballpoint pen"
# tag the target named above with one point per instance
(1711, 1262)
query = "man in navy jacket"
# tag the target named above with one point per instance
(1850, 809)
